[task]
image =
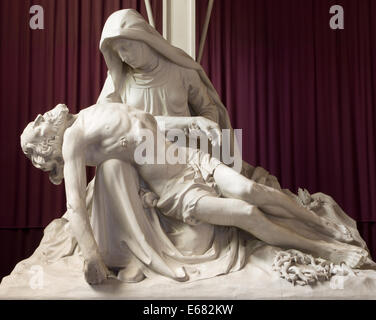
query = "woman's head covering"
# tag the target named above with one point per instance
(129, 24)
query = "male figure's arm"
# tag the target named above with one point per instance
(75, 188)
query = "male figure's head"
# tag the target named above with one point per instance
(42, 139)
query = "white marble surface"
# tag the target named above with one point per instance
(195, 191)
(65, 280)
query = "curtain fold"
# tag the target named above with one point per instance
(303, 94)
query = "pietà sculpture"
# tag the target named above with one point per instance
(128, 226)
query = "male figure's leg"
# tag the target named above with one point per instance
(274, 202)
(241, 214)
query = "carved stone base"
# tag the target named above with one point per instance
(257, 280)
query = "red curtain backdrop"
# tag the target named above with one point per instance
(304, 94)
(39, 69)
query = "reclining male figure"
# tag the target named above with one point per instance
(64, 144)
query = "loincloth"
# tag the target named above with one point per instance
(180, 194)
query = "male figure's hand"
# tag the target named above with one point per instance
(95, 270)
(149, 199)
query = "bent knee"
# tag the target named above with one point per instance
(250, 210)
(246, 190)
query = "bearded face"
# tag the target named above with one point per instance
(42, 140)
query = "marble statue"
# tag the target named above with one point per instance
(125, 225)
(149, 74)
(64, 144)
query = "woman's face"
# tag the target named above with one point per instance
(136, 54)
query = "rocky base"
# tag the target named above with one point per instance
(33, 278)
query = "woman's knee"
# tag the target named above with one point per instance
(114, 164)
(114, 170)
(116, 167)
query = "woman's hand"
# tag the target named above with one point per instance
(209, 127)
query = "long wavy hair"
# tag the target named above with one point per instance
(45, 151)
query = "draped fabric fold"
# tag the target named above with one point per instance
(303, 93)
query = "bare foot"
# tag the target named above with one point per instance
(353, 256)
(277, 203)
(95, 271)
(336, 231)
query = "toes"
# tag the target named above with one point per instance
(355, 260)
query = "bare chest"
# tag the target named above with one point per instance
(114, 142)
